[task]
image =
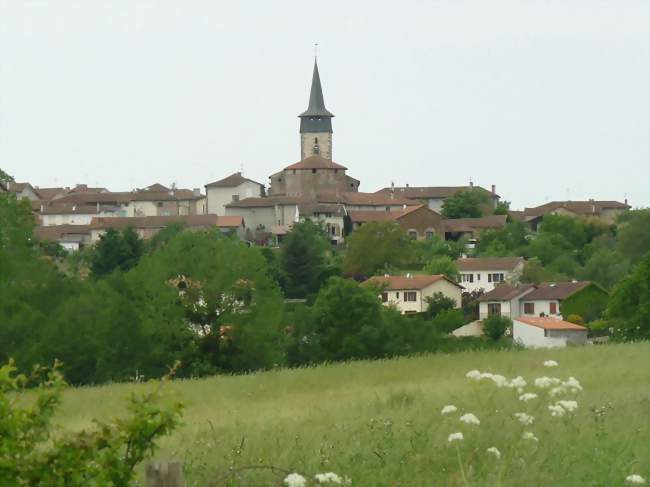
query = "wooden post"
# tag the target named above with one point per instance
(165, 474)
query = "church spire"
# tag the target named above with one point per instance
(316, 100)
(316, 122)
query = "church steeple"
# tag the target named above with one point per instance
(316, 122)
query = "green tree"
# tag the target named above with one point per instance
(376, 246)
(466, 204)
(628, 309)
(443, 265)
(161, 239)
(508, 241)
(634, 235)
(502, 208)
(495, 326)
(438, 303)
(448, 320)
(4, 177)
(303, 258)
(116, 250)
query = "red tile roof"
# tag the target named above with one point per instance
(488, 263)
(382, 216)
(548, 323)
(163, 221)
(315, 162)
(231, 181)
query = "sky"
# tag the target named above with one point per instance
(548, 100)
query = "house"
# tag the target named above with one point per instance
(71, 213)
(503, 300)
(485, 273)
(548, 298)
(471, 228)
(418, 221)
(607, 211)
(232, 188)
(408, 293)
(547, 332)
(435, 196)
(70, 237)
(148, 226)
(22, 190)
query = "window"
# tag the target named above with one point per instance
(388, 208)
(159, 204)
(552, 308)
(397, 294)
(529, 308)
(313, 171)
(494, 309)
(478, 277)
(413, 234)
(410, 296)
(384, 297)
(467, 277)
(429, 235)
(496, 277)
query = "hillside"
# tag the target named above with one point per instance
(379, 423)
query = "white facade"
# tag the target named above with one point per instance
(539, 307)
(531, 336)
(487, 280)
(75, 218)
(219, 197)
(414, 300)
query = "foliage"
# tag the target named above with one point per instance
(163, 237)
(443, 265)
(31, 454)
(589, 303)
(4, 177)
(628, 309)
(465, 204)
(495, 326)
(448, 320)
(425, 250)
(502, 208)
(438, 303)
(470, 301)
(116, 250)
(275, 271)
(303, 259)
(510, 240)
(534, 272)
(574, 318)
(376, 246)
(634, 235)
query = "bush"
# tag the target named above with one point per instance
(448, 320)
(576, 319)
(495, 326)
(438, 303)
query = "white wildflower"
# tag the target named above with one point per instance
(328, 478)
(499, 380)
(295, 480)
(449, 408)
(550, 363)
(529, 436)
(527, 396)
(635, 479)
(556, 410)
(486, 375)
(517, 382)
(556, 391)
(473, 374)
(572, 384)
(544, 382)
(524, 418)
(455, 437)
(495, 451)
(569, 405)
(469, 418)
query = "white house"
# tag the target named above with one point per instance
(504, 300)
(408, 293)
(486, 272)
(547, 332)
(232, 188)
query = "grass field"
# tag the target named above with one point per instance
(379, 423)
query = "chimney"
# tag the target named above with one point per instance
(235, 197)
(197, 192)
(407, 185)
(471, 183)
(494, 189)
(392, 190)
(626, 202)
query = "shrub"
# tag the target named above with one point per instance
(448, 320)
(495, 326)
(437, 303)
(575, 318)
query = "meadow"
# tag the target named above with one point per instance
(379, 423)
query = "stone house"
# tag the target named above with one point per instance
(418, 221)
(485, 273)
(408, 293)
(606, 211)
(230, 189)
(435, 196)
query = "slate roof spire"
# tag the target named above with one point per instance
(316, 118)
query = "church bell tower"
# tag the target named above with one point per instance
(316, 123)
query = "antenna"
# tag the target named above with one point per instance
(315, 50)
(241, 168)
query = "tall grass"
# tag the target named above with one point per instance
(380, 422)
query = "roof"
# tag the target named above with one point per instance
(434, 192)
(69, 208)
(548, 323)
(585, 208)
(506, 292)
(363, 199)
(309, 209)
(163, 221)
(231, 181)
(315, 162)
(417, 281)
(156, 187)
(316, 106)
(14, 187)
(557, 290)
(49, 193)
(59, 232)
(471, 224)
(268, 201)
(383, 216)
(488, 263)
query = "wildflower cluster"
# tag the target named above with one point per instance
(328, 478)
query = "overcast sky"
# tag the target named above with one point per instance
(546, 99)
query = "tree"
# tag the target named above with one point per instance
(116, 250)
(438, 303)
(303, 259)
(495, 326)
(502, 208)
(634, 235)
(4, 177)
(163, 237)
(376, 246)
(628, 309)
(534, 272)
(448, 320)
(510, 240)
(443, 265)
(465, 204)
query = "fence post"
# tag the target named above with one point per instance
(165, 474)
